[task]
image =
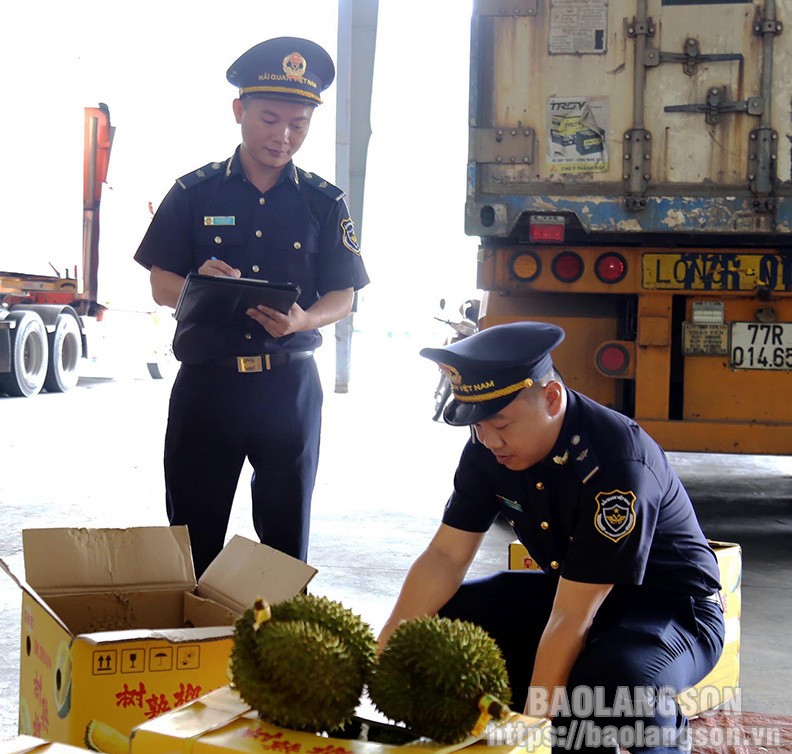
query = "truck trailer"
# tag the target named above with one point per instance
(43, 317)
(630, 179)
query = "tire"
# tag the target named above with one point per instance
(29, 355)
(65, 351)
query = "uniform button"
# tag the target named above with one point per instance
(255, 268)
(540, 485)
(576, 439)
(218, 239)
(297, 245)
(215, 166)
(262, 200)
(554, 565)
(248, 336)
(259, 234)
(544, 525)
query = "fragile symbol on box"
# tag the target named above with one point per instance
(133, 660)
(104, 662)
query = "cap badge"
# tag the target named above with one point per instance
(454, 377)
(294, 66)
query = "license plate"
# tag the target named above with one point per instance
(702, 271)
(758, 345)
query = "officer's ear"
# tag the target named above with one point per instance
(554, 398)
(238, 110)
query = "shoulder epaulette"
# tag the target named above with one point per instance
(194, 178)
(320, 184)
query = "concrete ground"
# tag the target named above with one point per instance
(92, 457)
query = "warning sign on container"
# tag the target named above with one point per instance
(576, 128)
(578, 27)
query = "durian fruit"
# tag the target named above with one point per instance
(102, 737)
(433, 673)
(302, 663)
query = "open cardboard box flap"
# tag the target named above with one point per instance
(68, 561)
(245, 570)
(150, 566)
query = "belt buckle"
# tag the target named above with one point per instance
(248, 364)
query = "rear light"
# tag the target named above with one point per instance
(525, 266)
(568, 267)
(613, 359)
(610, 268)
(546, 228)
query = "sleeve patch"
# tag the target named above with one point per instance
(615, 517)
(348, 235)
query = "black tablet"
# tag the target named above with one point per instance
(210, 300)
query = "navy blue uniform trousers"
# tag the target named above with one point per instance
(217, 418)
(650, 641)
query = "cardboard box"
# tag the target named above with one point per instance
(115, 629)
(720, 687)
(31, 745)
(222, 722)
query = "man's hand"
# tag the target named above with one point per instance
(277, 324)
(218, 268)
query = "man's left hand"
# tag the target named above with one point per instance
(278, 324)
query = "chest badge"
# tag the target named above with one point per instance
(513, 504)
(615, 517)
(219, 220)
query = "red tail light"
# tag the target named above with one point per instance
(613, 359)
(546, 228)
(610, 268)
(567, 267)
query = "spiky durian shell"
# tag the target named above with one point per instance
(306, 674)
(334, 617)
(432, 674)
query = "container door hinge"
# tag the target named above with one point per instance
(638, 27)
(690, 57)
(762, 160)
(717, 103)
(637, 164)
(506, 8)
(503, 145)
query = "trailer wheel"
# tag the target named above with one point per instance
(65, 350)
(28, 355)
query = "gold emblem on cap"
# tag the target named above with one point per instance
(454, 377)
(294, 66)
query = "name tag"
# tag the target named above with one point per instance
(220, 220)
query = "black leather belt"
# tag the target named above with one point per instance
(716, 598)
(261, 362)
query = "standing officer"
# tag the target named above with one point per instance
(254, 391)
(626, 611)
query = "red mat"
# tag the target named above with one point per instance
(741, 733)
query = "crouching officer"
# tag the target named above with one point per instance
(253, 391)
(626, 611)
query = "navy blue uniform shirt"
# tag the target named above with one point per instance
(603, 508)
(299, 231)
